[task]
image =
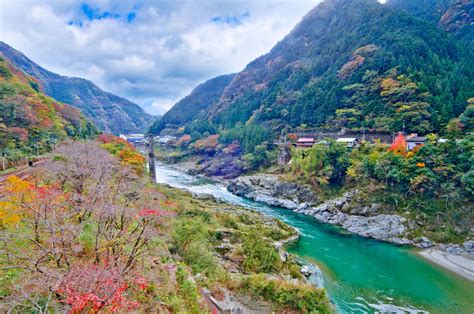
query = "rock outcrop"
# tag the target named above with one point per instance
(344, 211)
(270, 190)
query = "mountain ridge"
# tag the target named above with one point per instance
(109, 112)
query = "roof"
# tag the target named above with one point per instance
(305, 139)
(346, 139)
(417, 139)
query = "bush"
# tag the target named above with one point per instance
(299, 297)
(259, 255)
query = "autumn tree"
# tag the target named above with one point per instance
(399, 145)
(83, 205)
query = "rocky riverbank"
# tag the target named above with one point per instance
(367, 220)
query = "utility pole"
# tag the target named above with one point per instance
(151, 158)
(3, 160)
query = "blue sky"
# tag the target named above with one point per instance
(151, 52)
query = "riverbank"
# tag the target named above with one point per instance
(238, 252)
(359, 274)
(346, 211)
(462, 265)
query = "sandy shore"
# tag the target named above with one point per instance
(460, 264)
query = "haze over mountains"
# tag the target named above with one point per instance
(354, 64)
(109, 112)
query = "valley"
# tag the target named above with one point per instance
(272, 158)
(359, 274)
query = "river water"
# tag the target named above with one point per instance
(360, 275)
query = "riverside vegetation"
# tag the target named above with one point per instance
(432, 185)
(86, 232)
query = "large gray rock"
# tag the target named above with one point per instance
(344, 211)
(269, 189)
(469, 246)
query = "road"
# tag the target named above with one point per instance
(21, 172)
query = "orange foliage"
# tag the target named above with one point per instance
(399, 145)
(124, 151)
(293, 137)
(107, 138)
(209, 142)
(185, 139)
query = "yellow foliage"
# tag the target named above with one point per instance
(17, 185)
(17, 191)
(8, 214)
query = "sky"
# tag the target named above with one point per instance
(151, 52)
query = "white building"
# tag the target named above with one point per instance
(349, 141)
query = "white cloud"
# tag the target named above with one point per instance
(152, 53)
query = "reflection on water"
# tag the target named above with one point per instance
(360, 275)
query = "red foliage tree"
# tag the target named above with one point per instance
(107, 138)
(399, 145)
(184, 140)
(93, 288)
(207, 144)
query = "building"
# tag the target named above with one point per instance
(305, 142)
(133, 138)
(413, 140)
(349, 141)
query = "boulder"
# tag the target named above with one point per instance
(469, 246)
(269, 189)
(305, 271)
(424, 243)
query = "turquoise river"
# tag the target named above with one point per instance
(360, 275)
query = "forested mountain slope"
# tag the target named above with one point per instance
(191, 106)
(109, 112)
(453, 16)
(355, 64)
(30, 120)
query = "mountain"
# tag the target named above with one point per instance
(453, 16)
(109, 112)
(193, 105)
(354, 64)
(28, 118)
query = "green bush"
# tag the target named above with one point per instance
(303, 298)
(190, 239)
(259, 255)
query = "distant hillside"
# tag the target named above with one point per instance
(453, 16)
(109, 112)
(193, 105)
(355, 64)
(30, 120)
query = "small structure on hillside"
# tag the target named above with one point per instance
(305, 142)
(413, 140)
(350, 142)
